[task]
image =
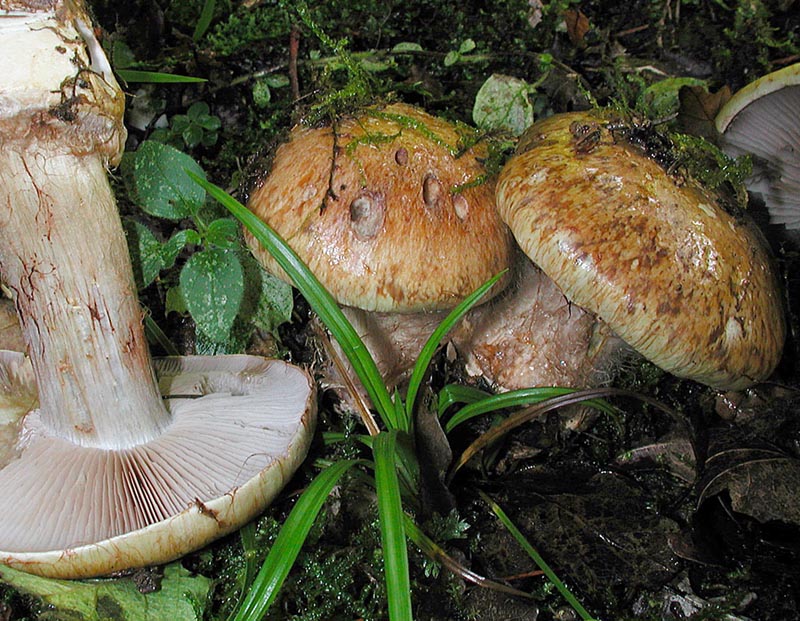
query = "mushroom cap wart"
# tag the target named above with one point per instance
(391, 210)
(763, 120)
(242, 425)
(682, 281)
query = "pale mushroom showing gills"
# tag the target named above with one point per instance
(105, 474)
(685, 283)
(393, 211)
(763, 120)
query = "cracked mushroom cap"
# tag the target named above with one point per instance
(241, 426)
(763, 120)
(390, 210)
(681, 280)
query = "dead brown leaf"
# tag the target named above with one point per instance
(698, 109)
(577, 26)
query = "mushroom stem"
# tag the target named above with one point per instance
(63, 254)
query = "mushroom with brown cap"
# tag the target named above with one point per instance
(680, 279)
(392, 211)
(762, 120)
(104, 474)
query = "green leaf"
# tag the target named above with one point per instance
(514, 398)
(145, 252)
(192, 135)
(162, 187)
(502, 103)
(451, 58)
(277, 80)
(456, 393)
(175, 302)
(181, 597)
(173, 246)
(275, 304)
(156, 77)
(661, 98)
(467, 45)
(223, 232)
(212, 282)
(197, 110)
(290, 539)
(406, 46)
(204, 21)
(391, 517)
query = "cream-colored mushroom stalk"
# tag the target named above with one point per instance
(106, 474)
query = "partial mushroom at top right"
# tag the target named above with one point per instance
(680, 275)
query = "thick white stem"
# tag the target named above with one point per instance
(63, 253)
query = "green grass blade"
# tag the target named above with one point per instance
(537, 558)
(156, 77)
(513, 398)
(391, 517)
(154, 333)
(204, 21)
(290, 539)
(456, 393)
(431, 345)
(318, 298)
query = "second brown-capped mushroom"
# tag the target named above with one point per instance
(684, 282)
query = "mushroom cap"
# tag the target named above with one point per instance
(763, 120)
(242, 425)
(685, 283)
(377, 207)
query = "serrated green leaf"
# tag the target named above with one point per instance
(212, 282)
(198, 109)
(163, 188)
(209, 122)
(173, 246)
(223, 232)
(502, 103)
(181, 597)
(174, 302)
(145, 252)
(192, 135)
(275, 304)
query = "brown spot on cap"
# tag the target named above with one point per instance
(366, 214)
(401, 156)
(432, 191)
(461, 206)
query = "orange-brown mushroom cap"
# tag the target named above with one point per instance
(391, 210)
(684, 282)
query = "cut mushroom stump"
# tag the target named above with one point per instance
(97, 472)
(677, 277)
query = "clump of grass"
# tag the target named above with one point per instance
(393, 469)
